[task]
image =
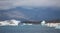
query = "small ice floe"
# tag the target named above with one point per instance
(43, 22)
(57, 27)
(9, 23)
(27, 24)
(51, 24)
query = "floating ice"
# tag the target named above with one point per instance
(10, 23)
(43, 22)
(27, 24)
(57, 27)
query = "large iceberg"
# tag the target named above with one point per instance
(9, 23)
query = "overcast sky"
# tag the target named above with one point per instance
(7, 4)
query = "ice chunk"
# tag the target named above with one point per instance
(9, 23)
(43, 22)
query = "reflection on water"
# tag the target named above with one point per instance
(28, 29)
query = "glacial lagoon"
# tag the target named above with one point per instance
(35, 28)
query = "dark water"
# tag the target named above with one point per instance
(28, 29)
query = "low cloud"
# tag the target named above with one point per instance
(7, 4)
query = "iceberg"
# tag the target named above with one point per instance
(57, 27)
(10, 23)
(43, 23)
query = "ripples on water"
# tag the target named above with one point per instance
(28, 29)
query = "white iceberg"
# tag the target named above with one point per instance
(10, 23)
(43, 22)
(57, 27)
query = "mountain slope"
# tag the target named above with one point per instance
(41, 13)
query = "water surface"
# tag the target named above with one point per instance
(28, 29)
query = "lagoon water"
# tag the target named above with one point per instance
(28, 29)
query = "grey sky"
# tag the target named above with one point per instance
(7, 4)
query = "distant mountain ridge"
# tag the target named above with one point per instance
(41, 13)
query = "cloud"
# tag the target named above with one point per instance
(7, 4)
